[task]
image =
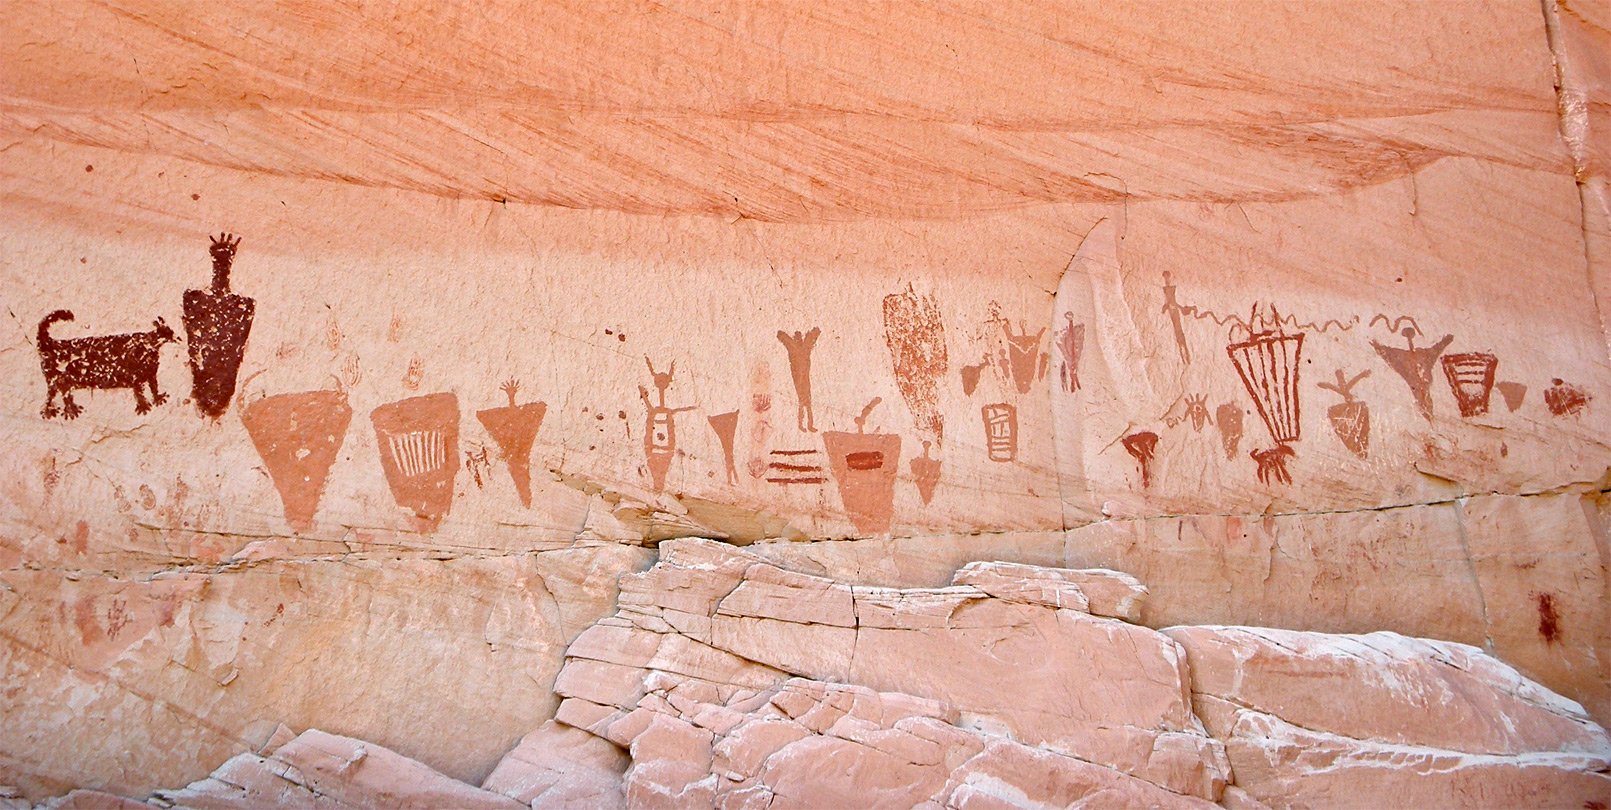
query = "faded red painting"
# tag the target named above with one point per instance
(1070, 344)
(916, 337)
(419, 451)
(298, 437)
(926, 474)
(799, 346)
(864, 465)
(1141, 446)
(1471, 380)
(1025, 361)
(1350, 419)
(514, 428)
(725, 426)
(1414, 365)
(1001, 431)
(1228, 418)
(660, 428)
(1564, 398)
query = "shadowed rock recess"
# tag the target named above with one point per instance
(763, 405)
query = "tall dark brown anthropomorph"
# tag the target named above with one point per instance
(217, 323)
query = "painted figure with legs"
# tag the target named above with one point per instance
(799, 347)
(660, 429)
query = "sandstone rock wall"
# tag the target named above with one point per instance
(401, 334)
(672, 703)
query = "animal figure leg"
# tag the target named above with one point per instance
(157, 397)
(141, 405)
(50, 410)
(70, 409)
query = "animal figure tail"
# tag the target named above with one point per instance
(44, 325)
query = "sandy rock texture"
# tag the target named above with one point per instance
(190, 661)
(372, 368)
(660, 712)
(1383, 720)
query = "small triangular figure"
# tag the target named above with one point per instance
(514, 428)
(298, 437)
(926, 472)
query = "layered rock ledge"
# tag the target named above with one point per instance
(726, 681)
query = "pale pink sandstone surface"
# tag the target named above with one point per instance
(964, 198)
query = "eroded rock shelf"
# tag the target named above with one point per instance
(725, 681)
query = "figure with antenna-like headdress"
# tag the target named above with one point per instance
(1413, 365)
(217, 323)
(660, 429)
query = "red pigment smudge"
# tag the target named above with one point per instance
(1548, 620)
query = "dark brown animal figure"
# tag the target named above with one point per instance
(101, 362)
